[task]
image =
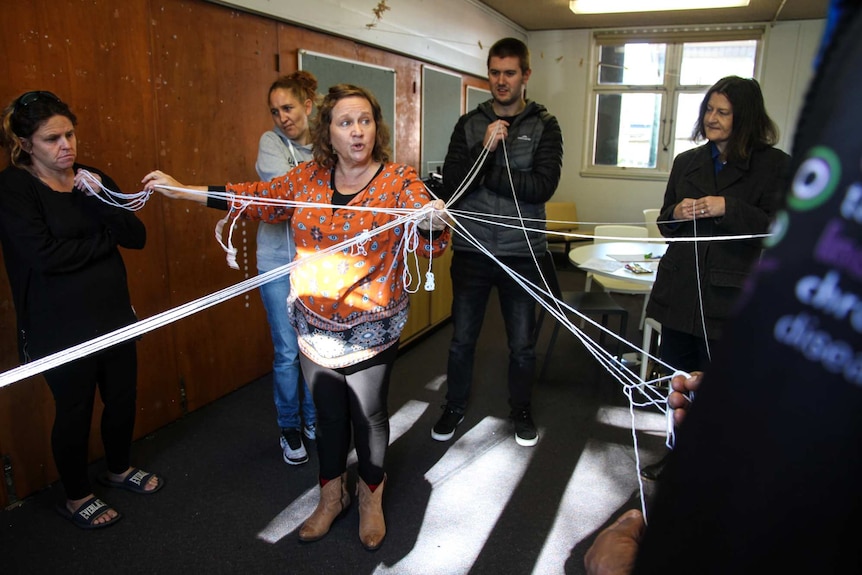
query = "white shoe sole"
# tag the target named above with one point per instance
(527, 442)
(445, 436)
(299, 459)
(295, 461)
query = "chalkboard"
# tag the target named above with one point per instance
(476, 96)
(380, 81)
(441, 108)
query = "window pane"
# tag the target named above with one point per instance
(635, 64)
(687, 110)
(627, 130)
(704, 63)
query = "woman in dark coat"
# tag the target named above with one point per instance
(729, 186)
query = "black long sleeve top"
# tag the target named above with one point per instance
(67, 276)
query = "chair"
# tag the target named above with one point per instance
(561, 217)
(588, 303)
(650, 218)
(615, 285)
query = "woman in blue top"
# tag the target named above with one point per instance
(291, 99)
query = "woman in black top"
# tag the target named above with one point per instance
(69, 285)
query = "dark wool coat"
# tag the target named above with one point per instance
(752, 189)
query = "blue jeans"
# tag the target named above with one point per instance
(286, 374)
(473, 276)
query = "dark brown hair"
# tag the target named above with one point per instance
(752, 126)
(511, 47)
(321, 139)
(24, 116)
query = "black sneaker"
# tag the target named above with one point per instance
(525, 429)
(293, 450)
(445, 427)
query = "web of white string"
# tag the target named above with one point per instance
(640, 393)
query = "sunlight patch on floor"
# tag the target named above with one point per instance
(436, 384)
(471, 486)
(601, 483)
(645, 421)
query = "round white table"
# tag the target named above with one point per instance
(609, 259)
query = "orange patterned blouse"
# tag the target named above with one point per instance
(349, 305)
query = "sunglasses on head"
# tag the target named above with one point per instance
(29, 97)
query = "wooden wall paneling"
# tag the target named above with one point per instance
(152, 90)
(211, 100)
(105, 79)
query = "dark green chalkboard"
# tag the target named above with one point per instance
(476, 96)
(441, 108)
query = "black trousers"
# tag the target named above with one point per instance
(114, 372)
(473, 277)
(352, 399)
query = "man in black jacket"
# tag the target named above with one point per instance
(506, 155)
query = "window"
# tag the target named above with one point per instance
(646, 94)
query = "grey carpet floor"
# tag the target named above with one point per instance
(479, 504)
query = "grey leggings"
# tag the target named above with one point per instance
(352, 399)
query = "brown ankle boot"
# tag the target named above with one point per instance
(372, 527)
(334, 500)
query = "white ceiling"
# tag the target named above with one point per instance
(555, 14)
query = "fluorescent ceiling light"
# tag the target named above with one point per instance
(615, 6)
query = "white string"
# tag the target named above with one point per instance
(700, 287)
(159, 320)
(629, 381)
(130, 202)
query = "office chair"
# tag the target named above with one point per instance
(588, 303)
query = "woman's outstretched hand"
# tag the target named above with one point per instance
(163, 183)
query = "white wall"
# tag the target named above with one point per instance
(560, 80)
(452, 33)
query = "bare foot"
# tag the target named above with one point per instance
(152, 482)
(73, 505)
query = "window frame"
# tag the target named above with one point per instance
(674, 39)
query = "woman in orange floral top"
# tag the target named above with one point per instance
(348, 306)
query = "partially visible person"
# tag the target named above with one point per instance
(291, 99)
(518, 176)
(765, 474)
(69, 285)
(349, 306)
(615, 549)
(731, 185)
